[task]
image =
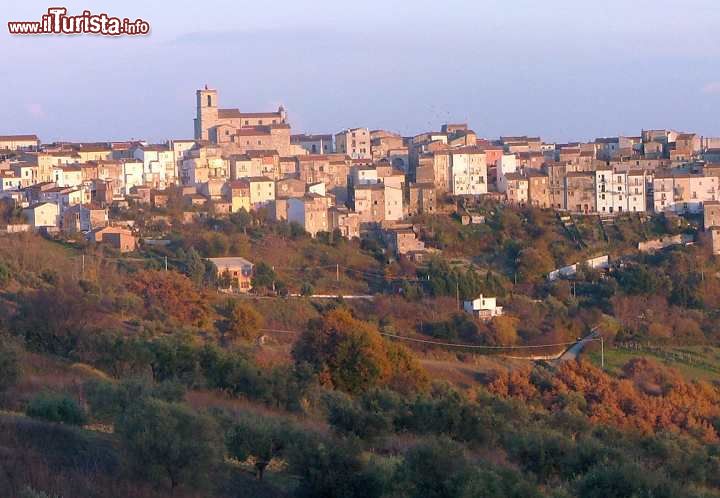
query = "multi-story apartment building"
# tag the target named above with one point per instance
(683, 191)
(580, 192)
(468, 171)
(354, 142)
(314, 144)
(517, 190)
(636, 191)
(538, 189)
(611, 191)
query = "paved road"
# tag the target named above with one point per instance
(574, 351)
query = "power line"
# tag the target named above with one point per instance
(477, 346)
(451, 344)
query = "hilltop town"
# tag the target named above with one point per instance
(357, 182)
(258, 312)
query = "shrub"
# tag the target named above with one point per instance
(56, 408)
(9, 366)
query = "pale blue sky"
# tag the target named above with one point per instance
(561, 69)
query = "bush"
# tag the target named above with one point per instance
(9, 366)
(56, 408)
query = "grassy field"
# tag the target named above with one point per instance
(693, 362)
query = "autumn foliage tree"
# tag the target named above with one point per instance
(239, 322)
(351, 355)
(169, 295)
(648, 397)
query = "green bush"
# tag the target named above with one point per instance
(9, 366)
(56, 408)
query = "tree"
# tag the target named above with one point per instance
(534, 263)
(350, 355)
(239, 321)
(330, 468)
(55, 319)
(504, 329)
(169, 294)
(259, 437)
(347, 353)
(431, 470)
(307, 289)
(264, 277)
(169, 441)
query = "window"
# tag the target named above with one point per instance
(209, 101)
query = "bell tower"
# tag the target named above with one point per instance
(207, 112)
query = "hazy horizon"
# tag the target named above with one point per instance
(559, 70)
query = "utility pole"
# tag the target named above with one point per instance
(457, 293)
(166, 269)
(83, 265)
(337, 272)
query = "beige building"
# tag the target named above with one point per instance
(262, 191)
(310, 212)
(711, 214)
(314, 144)
(19, 142)
(210, 117)
(517, 190)
(538, 189)
(354, 142)
(422, 199)
(468, 170)
(345, 221)
(331, 169)
(237, 192)
(42, 215)
(683, 191)
(402, 241)
(238, 271)
(580, 191)
(120, 238)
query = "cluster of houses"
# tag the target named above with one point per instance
(351, 182)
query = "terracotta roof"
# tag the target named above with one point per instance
(235, 113)
(262, 153)
(17, 138)
(253, 132)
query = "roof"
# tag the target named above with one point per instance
(40, 204)
(259, 179)
(155, 148)
(16, 138)
(235, 113)
(468, 149)
(233, 184)
(309, 138)
(235, 261)
(253, 132)
(262, 153)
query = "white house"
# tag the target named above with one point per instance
(483, 307)
(506, 164)
(611, 191)
(468, 171)
(42, 214)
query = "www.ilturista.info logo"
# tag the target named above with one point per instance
(56, 21)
